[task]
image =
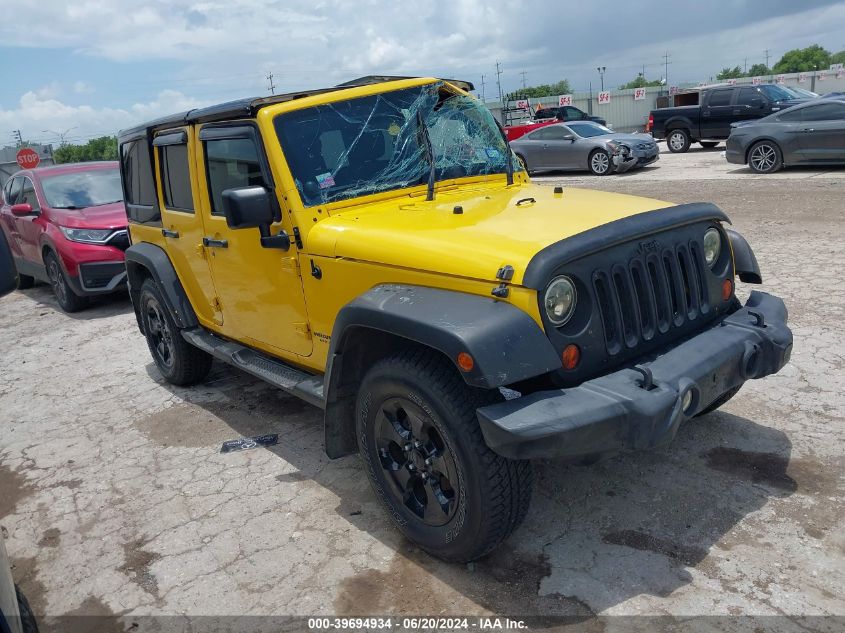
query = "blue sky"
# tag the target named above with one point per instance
(90, 67)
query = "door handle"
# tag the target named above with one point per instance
(212, 243)
(808, 129)
(169, 233)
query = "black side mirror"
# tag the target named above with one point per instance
(247, 207)
(252, 207)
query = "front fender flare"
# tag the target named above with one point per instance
(745, 263)
(505, 343)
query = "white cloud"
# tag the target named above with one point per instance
(35, 113)
(80, 87)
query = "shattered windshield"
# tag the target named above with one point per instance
(378, 143)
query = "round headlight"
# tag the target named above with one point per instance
(712, 246)
(560, 300)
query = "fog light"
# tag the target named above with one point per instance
(727, 289)
(686, 401)
(571, 356)
(465, 361)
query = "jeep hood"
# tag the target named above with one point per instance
(496, 226)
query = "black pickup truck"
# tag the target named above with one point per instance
(710, 120)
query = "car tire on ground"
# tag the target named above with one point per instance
(599, 162)
(28, 623)
(179, 362)
(765, 157)
(708, 144)
(718, 402)
(524, 163)
(68, 300)
(678, 141)
(423, 450)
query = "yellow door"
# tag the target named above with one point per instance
(259, 289)
(182, 226)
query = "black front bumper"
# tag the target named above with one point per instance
(642, 407)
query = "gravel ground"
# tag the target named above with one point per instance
(115, 498)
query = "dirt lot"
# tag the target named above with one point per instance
(115, 498)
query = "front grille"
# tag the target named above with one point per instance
(654, 293)
(645, 146)
(119, 240)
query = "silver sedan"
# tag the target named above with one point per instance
(581, 145)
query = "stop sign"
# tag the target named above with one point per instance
(28, 158)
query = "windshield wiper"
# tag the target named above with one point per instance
(429, 151)
(509, 167)
(70, 206)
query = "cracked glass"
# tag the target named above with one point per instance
(390, 141)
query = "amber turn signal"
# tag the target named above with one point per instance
(571, 356)
(727, 289)
(465, 362)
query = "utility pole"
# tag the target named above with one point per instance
(666, 68)
(602, 70)
(483, 97)
(767, 58)
(16, 134)
(523, 80)
(746, 65)
(61, 135)
(501, 99)
(272, 86)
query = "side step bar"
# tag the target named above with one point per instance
(296, 382)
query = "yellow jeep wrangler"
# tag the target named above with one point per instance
(375, 249)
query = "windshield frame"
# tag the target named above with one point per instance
(53, 198)
(767, 91)
(473, 111)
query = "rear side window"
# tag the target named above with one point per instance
(175, 177)
(231, 163)
(13, 189)
(720, 98)
(136, 170)
(824, 112)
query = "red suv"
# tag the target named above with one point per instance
(66, 225)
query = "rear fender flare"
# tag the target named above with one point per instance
(147, 260)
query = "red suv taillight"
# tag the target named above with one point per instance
(650, 124)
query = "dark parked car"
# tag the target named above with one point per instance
(66, 225)
(809, 134)
(584, 145)
(710, 121)
(566, 113)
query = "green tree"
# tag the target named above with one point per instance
(803, 59)
(838, 58)
(730, 73)
(545, 90)
(102, 148)
(640, 82)
(758, 70)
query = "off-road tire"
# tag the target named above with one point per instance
(67, 299)
(595, 160)
(492, 493)
(718, 402)
(769, 160)
(178, 361)
(708, 144)
(678, 141)
(28, 623)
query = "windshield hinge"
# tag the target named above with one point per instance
(302, 330)
(297, 238)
